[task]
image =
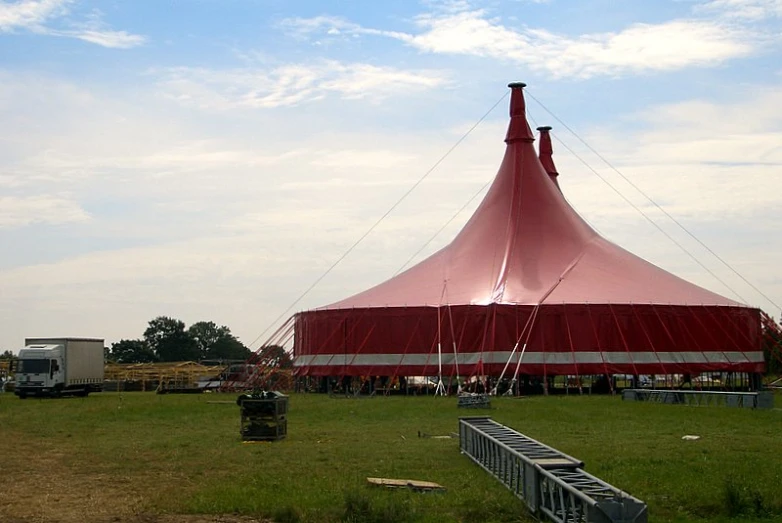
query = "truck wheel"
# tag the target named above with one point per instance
(22, 396)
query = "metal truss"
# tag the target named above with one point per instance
(748, 400)
(551, 483)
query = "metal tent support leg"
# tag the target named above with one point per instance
(440, 389)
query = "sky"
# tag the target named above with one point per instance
(210, 160)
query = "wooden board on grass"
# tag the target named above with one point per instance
(406, 483)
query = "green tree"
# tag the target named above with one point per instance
(208, 336)
(229, 348)
(772, 344)
(276, 356)
(169, 340)
(7, 355)
(132, 351)
(217, 342)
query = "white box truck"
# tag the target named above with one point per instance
(59, 366)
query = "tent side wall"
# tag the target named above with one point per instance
(573, 339)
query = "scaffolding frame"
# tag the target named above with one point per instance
(151, 376)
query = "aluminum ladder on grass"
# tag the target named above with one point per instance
(551, 483)
(747, 400)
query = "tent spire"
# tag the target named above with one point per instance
(518, 129)
(545, 154)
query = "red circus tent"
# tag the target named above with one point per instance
(528, 285)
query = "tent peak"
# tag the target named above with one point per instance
(518, 129)
(546, 152)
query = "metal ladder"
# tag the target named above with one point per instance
(551, 483)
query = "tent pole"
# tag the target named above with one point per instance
(440, 389)
(455, 353)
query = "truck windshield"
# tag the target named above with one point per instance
(33, 366)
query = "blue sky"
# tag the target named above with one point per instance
(210, 159)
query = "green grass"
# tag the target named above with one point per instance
(188, 456)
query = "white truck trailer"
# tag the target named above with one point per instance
(59, 366)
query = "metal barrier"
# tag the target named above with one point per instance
(474, 401)
(551, 483)
(747, 400)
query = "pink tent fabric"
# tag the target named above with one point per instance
(526, 270)
(546, 152)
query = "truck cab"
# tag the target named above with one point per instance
(39, 371)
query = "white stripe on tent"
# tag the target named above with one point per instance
(533, 358)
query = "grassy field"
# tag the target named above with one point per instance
(112, 456)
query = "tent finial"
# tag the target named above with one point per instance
(546, 151)
(518, 130)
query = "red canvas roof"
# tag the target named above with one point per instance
(526, 245)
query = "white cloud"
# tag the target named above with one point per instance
(106, 38)
(695, 163)
(743, 9)
(291, 84)
(447, 6)
(759, 110)
(21, 211)
(638, 48)
(303, 27)
(363, 159)
(37, 15)
(30, 14)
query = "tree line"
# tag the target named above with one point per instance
(168, 339)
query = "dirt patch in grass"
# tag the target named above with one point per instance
(38, 486)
